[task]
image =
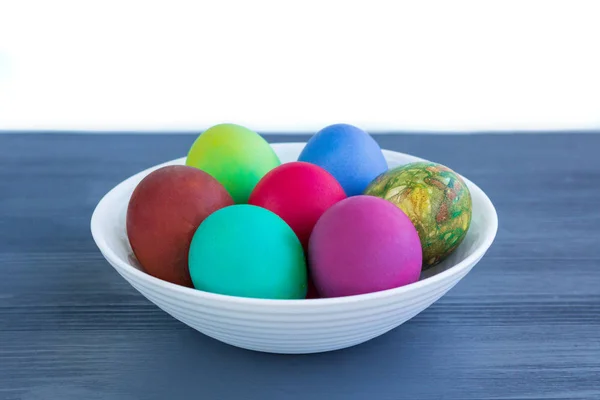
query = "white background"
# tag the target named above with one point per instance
(297, 66)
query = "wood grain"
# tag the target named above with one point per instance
(524, 324)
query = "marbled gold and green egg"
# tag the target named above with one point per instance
(437, 201)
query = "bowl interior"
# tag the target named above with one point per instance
(108, 221)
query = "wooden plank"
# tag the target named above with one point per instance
(522, 325)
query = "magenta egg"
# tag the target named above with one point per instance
(363, 244)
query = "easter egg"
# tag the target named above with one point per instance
(299, 193)
(350, 154)
(248, 251)
(437, 201)
(163, 213)
(235, 156)
(311, 291)
(363, 244)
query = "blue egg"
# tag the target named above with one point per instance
(348, 153)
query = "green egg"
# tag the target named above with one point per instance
(235, 156)
(248, 251)
(436, 200)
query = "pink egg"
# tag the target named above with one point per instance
(363, 244)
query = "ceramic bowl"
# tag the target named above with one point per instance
(291, 326)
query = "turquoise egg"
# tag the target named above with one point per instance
(248, 251)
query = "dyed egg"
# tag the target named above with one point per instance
(437, 201)
(363, 244)
(299, 193)
(235, 156)
(350, 154)
(248, 251)
(164, 211)
(311, 291)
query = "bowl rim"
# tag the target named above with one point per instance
(117, 262)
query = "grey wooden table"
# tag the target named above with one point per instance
(524, 324)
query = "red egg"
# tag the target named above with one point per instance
(311, 292)
(164, 211)
(299, 193)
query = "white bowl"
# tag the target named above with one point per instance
(291, 326)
